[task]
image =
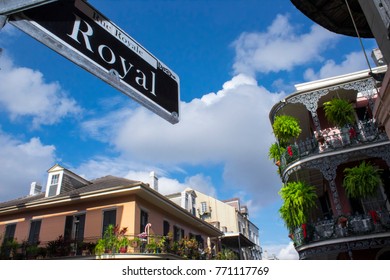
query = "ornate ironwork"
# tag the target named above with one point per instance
(365, 87)
(310, 100)
(366, 244)
(328, 167)
(380, 152)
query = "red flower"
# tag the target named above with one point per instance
(304, 227)
(289, 151)
(374, 216)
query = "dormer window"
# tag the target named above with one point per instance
(53, 187)
(54, 179)
(61, 180)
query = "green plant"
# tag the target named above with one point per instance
(226, 254)
(275, 152)
(100, 247)
(286, 127)
(339, 112)
(122, 244)
(58, 247)
(113, 240)
(163, 244)
(9, 248)
(152, 246)
(298, 199)
(362, 181)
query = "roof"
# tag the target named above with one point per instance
(103, 183)
(334, 16)
(108, 185)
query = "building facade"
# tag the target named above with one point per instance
(77, 211)
(360, 19)
(239, 233)
(319, 157)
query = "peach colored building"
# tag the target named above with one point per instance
(80, 210)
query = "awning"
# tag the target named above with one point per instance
(236, 240)
(334, 16)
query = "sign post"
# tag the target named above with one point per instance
(13, 6)
(83, 35)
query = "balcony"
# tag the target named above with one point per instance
(333, 139)
(342, 229)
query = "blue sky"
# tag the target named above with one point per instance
(235, 60)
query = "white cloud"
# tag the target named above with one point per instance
(280, 48)
(288, 253)
(25, 93)
(230, 128)
(280, 251)
(102, 166)
(21, 164)
(354, 61)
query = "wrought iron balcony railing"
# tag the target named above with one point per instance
(332, 139)
(341, 227)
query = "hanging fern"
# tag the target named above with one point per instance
(275, 151)
(339, 112)
(286, 127)
(298, 199)
(362, 181)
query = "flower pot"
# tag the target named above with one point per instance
(342, 221)
(123, 250)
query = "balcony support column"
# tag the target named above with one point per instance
(310, 100)
(328, 167)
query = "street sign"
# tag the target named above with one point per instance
(77, 31)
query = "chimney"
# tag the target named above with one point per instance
(35, 188)
(153, 181)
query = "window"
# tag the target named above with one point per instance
(109, 218)
(166, 228)
(144, 220)
(178, 233)
(200, 240)
(53, 185)
(9, 233)
(74, 228)
(35, 228)
(186, 201)
(54, 179)
(203, 207)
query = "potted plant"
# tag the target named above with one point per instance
(298, 199)
(362, 181)
(285, 128)
(339, 112)
(152, 246)
(100, 247)
(122, 245)
(342, 220)
(113, 240)
(135, 242)
(275, 152)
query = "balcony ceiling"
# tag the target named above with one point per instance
(334, 16)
